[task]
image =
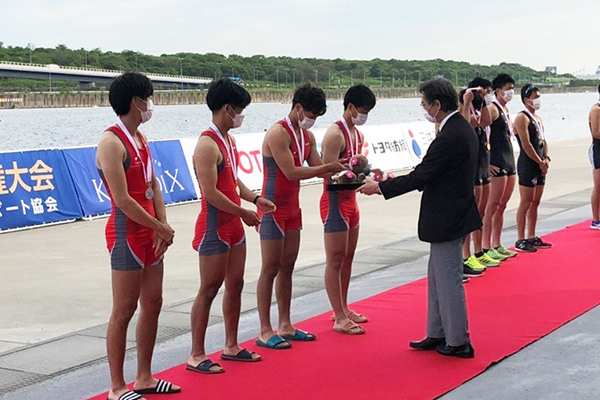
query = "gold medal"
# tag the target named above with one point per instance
(488, 146)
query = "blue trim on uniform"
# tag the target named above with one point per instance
(121, 258)
(269, 229)
(334, 221)
(211, 243)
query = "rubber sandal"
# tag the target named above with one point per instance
(129, 395)
(162, 387)
(349, 329)
(243, 355)
(358, 318)
(300, 336)
(276, 342)
(205, 367)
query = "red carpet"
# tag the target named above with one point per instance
(510, 307)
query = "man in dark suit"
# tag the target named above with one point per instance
(448, 213)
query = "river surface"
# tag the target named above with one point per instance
(564, 115)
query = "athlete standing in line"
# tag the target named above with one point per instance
(594, 154)
(287, 146)
(532, 168)
(137, 235)
(219, 238)
(339, 209)
(502, 169)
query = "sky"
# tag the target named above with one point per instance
(535, 33)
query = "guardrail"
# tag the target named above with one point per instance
(55, 67)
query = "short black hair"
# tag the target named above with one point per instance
(127, 86)
(441, 90)
(225, 91)
(479, 81)
(361, 96)
(500, 80)
(598, 88)
(527, 90)
(311, 98)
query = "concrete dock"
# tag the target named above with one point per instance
(56, 293)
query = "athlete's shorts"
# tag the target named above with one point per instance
(209, 241)
(274, 226)
(530, 173)
(594, 154)
(338, 216)
(507, 171)
(134, 251)
(483, 167)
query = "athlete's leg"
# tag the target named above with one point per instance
(347, 266)
(596, 195)
(527, 194)
(126, 288)
(336, 247)
(498, 222)
(497, 184)
(212, 275)
(283, 282)
(272, 254)
(532, 214)
(482, 201)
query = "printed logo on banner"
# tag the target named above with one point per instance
(415, 146)
(172, 172)
(35, 188)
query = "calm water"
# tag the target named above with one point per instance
(565, 117)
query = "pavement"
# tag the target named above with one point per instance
(56, 295)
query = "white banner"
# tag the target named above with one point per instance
(388, 147)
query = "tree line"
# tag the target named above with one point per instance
(276, 72)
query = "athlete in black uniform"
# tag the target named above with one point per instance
(502, 169)
(594, 122)
(532, 167)
(474, 103)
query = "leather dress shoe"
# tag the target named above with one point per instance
(464, 351)
(428, 343)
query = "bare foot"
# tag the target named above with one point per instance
(195, 361)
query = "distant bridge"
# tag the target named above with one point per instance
(88, 77)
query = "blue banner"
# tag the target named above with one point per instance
(90, 189)
(36, 188)
(170, 168)
(172, 172)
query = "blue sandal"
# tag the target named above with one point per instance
(300, 336)
(205, 367)
(276, 342)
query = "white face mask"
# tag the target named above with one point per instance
(489, 98)
(536, 103)
(237, 119)
(428, 117)
(305, 123)
(360, 119)
(508, 95)
(146, 115)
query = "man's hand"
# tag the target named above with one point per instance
(494, 170)
(265, 205)
(250, 218)
(369, 188)
(166, 233)
(334, 167)
(544, 166)
(159, 245)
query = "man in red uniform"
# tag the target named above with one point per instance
(219, 238)
(339, 209)
(287, 145)
(137, 235)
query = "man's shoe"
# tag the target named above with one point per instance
(538, 243)
(525, 246)
(505, 252)
(470, 272)
(487, 261)
(473, 263)
(494, 255)
(464, 351)
(428, 343)
(595, 224)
